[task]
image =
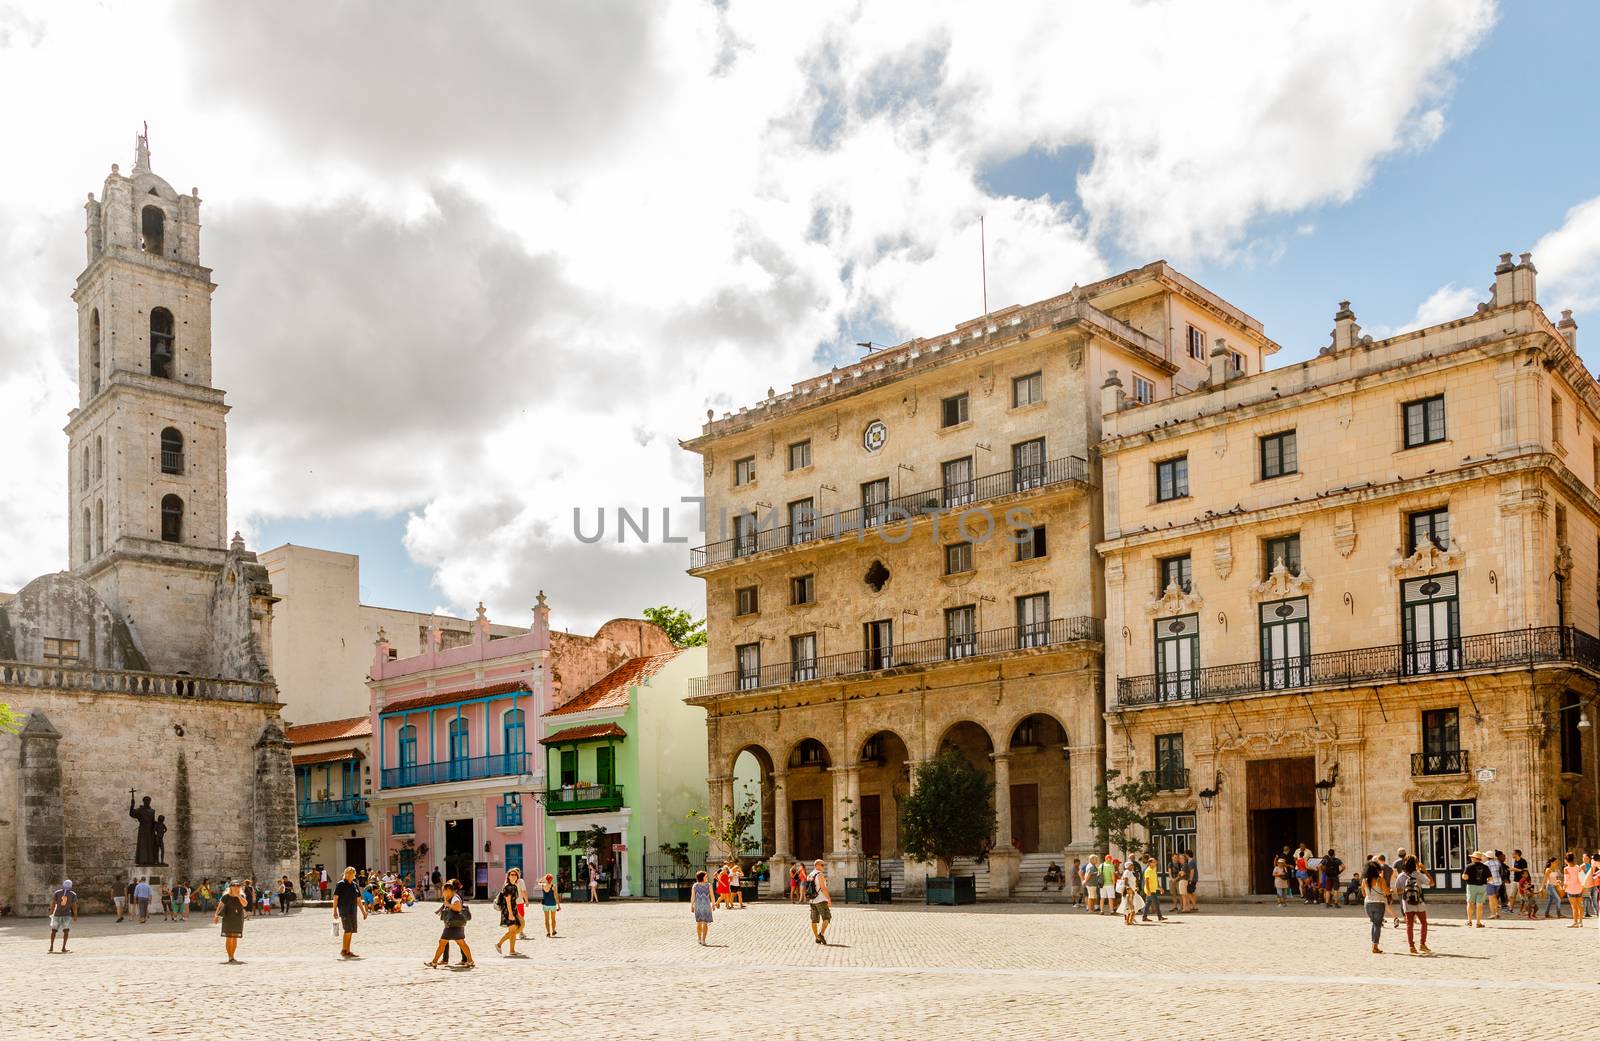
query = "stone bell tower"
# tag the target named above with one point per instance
(147, 463)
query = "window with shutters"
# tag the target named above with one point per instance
(1424, 421)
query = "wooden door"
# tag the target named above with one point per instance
(809, 837)
(871, 826)
(1025, 816)
(355, 853)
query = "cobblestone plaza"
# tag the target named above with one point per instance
(632, 970)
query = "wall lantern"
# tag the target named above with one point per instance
(1326, 786)
(1209, 795)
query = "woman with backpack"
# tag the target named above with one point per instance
(453, 912)
(1410, 882)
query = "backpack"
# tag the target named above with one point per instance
(1412, 893)
(811, 888)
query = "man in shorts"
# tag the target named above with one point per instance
(821, 902)
(1091, 884)
(1476, 877)
(63, 912)
(346, 902)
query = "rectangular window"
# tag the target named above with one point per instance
(747, 657)
(803, 657)
(961, 631)
(1428, 526)
(877, 640)
(60, 652)
(744, 470)
(1430, 625)
(1177, 657)
(1197, 343)
(1033, 620)
(957, 558)
(1027, 464)
(1279, 455)
(513, 856)
(1170, 774)
(605, 769)
(957, 477)
(802, 589)
(953, 411)
(1175, 571)
(800, 455)
(1236, 361)
(1026, 390)
(1555, 419)
(1285, 548)
(744, 534)
(1172, 479)
(1424, 421)
(569, 766)
(1144, 392)
(1441, 743)
(1030, 543)
(802, 521)
(745, 600)
(1285, 644)
(874, 501)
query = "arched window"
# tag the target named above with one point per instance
(152, 227)
(94, 351)
(171, 519)
(171, 451)
(161, 343)
(88, 537)
(99, 457)
(83, 480)
(516, 732)
(99, 526)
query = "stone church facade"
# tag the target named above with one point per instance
(144, 666)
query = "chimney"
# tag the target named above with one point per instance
(1524, 288)
(1221, 364)
(541, 622)
(1502, 281)
(1345, 330)
(1568, 329)
(1112, 399)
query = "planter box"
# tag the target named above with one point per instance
(675, 890)
(868, 891)
(751, 889)
(952, 890)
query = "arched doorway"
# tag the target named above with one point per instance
(883, 784)
(810, 799)
(753, 791)
(1041, 805)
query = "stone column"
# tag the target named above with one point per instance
(853, 788)
(1086, 769)
(916, 872)
(276, 846)
(718, 794)
(778, 883)
(1005, 863)
(41, 831)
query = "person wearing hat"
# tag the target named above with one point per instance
(230, 912)
(63, 912)
(1476, 877)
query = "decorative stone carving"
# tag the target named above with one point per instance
(1281, 584)
(710, 461)
(1344, 532)
(772, 447)
(1345, 411)
(1276, 736)
(1564, 560)
(833, 432)
(1174, 601)
(1444, 788)
(1427, 559)
(910, 402)
(1222, 556)
(986, 381)
(1219, 442)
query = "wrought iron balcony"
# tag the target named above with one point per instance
(1387, 663)
(505, 764)
(403, 823)
(508, 816)
(581, 798)
(1171, 780)
(351, 809)
(1432, 764)
(954, 498)
(922, 652)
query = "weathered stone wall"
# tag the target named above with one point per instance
(41, 846)
(62, 606)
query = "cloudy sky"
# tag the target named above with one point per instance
(480, 264)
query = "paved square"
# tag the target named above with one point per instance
(633, 970)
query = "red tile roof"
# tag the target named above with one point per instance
(611, 690)
(337, 755)
(331, 730)
(584, 733)
(453, 696)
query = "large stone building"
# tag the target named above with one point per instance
(1350, 601)
(907, 561)
(145, 666)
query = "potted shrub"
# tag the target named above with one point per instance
(949, 815)
(679, 886)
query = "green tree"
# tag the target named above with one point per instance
(10, 723)
(731, 834)
(679, 625)
(1121, 809)
(308, 850)
(951, 812)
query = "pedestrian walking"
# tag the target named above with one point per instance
(1130, 901)
(1151, 882)
(63, 912)
(1551, 879)
(1332, 868)
(453, 912)
(510, 917)
(141, 899)
(121, 897)
(736, 884)
(1590, 872)
(1410, 880)
(1572, 883)
(1399, 861)
(522, 904)
(230, 912)
(1091, 884)
(1495, 862)
(1108, 884)
(1476, 878)
(1375, 898)
(700, 899)
(166, 902)
(180, 901)
(820, 901)
(549, 903)
(594, 884)
(323, 880)
(346, 904)
(1280, 881)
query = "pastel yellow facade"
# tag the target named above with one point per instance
(1349, 601)
(852, 632)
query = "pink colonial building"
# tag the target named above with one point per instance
(456, 738)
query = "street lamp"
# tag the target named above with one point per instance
(1209, 795)
(1326, 786)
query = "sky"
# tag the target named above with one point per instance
(481, 265)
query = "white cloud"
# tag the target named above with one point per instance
(1568, 260)
(488, 265)
(1444, 304)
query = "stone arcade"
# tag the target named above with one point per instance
(146, 665)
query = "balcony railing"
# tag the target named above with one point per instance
(121, 681)
(921, 652)
(859, 521)
(508, 816)
(578, 798)
(1515, 648)
(403, 823)
(1432, 764)
(351, 809)
(171, 462)
(1171, 780)
(505, 764)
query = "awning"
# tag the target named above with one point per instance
(336, 756)
(592, 732)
